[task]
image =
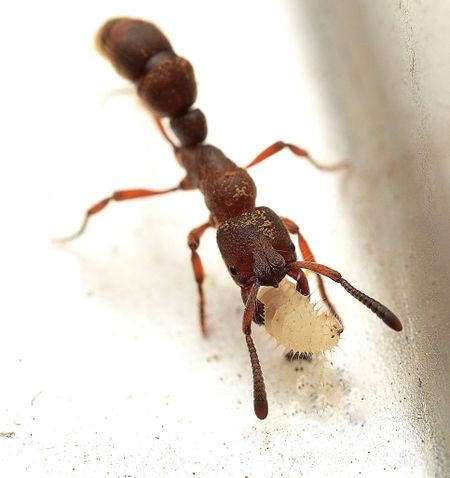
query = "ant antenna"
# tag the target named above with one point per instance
(388, 317)
(259, 390)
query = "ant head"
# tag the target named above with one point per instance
(256, 247)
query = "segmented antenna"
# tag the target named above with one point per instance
(388, 317)
(254, 306)
(259, 390)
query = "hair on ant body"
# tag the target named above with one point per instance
(254, 241)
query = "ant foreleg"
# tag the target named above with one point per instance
(193, 243)
(387, 316)
(291, 356)
(302, 282)
(117, 196)
(279, 145)
(260, 404)
(307, 255)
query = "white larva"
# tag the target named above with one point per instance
(295, 322)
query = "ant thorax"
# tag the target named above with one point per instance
(295, 322)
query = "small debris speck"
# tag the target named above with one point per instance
(213, 358)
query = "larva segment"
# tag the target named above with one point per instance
(294, 321)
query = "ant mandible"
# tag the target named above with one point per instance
(254, 241)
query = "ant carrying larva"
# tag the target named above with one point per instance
(254, 241)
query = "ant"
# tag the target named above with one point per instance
(254, 241)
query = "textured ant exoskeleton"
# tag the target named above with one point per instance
(254, 241)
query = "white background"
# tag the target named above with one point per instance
(103, 369)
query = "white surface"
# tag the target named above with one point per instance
(104, 372)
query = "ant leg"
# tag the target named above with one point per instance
(307, 255)
(160, 126)
(259, 390)
(279, 145)
(118, 196)
(291, 356)
(387, 316)
(193, 243)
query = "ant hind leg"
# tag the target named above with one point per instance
(280, 145)
(163, 132)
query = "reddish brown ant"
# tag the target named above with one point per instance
(254, 241)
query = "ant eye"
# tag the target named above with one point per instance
(232, 270)
(292, 246)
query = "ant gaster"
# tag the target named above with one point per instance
(254, 241)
